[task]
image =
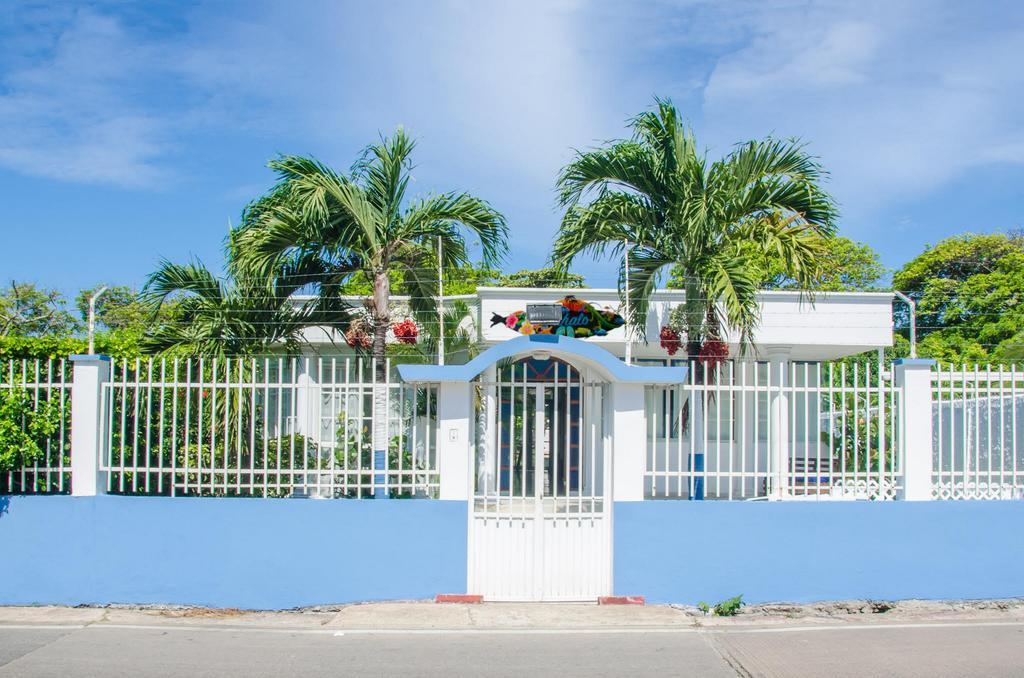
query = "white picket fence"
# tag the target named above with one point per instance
(45, 383)
(978, 422)
(752, 430)
(264, 427)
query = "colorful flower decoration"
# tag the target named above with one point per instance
(579, 319)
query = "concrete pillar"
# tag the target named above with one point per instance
(90, 373)
(455, 439)
(778, 421)
(487, 447)
(629, 444)
(913, 377)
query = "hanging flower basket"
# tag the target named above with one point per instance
(670, 340)
(406, 331)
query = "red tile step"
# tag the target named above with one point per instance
(621, 600)
(458, 598)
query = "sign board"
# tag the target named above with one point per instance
(544, 314)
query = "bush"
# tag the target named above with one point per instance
(24, 428)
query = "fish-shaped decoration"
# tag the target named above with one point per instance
(579, 319)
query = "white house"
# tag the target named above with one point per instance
(793, 327)
(768, 410)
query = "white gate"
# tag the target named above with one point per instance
(540, 523)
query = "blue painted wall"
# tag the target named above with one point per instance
(248, 553)
(689, 551)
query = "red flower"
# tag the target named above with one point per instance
(714, 351)
(406, 331)
(670, 340)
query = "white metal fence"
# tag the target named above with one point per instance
(268, 427)
(752, 430)
(288, 426)
(977, 421)
(44, 388)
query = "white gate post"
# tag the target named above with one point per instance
(454, 439)
(913, 378)
(629, 443)
(90, 373)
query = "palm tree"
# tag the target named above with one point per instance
(233, 317)
(325, 226)
(710, 220)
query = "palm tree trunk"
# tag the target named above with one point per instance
(381, 321)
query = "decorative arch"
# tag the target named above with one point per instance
(576, 351)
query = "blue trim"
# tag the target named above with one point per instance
(557, 345)
(913, 361)
(89, 358)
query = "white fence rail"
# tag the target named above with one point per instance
(268, 427)
(44, 387)
(752, 430)
(977, 429)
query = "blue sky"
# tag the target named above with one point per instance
(131, 131)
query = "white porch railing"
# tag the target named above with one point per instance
(978, 425)
(270, 427)
(45, 383)
(782, 430)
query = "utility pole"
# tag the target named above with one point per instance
(440, 303)
(913, 322)
(626, 327)
(92, 317)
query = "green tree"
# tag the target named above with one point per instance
(969, 291)
(27, 310)
(232, 317)
(551, 276)
(118, 308)
(326, 226)
(711, 220)
(844, 266)
(463, 279)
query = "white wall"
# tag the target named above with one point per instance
(834, 326)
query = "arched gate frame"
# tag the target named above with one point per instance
(541, 434)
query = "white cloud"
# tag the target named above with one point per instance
(67, 117)
(897, 98)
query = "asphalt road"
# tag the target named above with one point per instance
(926, 650)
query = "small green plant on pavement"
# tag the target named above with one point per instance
(726, 608)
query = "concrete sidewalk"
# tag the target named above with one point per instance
(840, 640)
(427, 616)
